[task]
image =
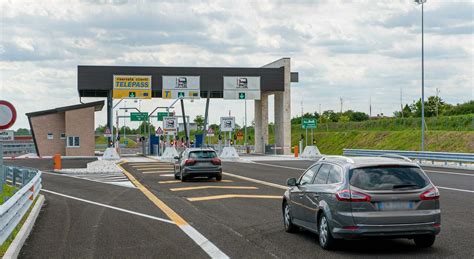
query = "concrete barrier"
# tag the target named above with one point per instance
(169, 154)
(310, 152)
(229, 153)
(110, 154)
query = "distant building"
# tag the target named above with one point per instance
(68, 131)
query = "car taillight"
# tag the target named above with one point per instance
(189, 162)
(216, 161)
(352, 196)
(431, 194)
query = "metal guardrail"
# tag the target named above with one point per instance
(28, 182)
(426, 155)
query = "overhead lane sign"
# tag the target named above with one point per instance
(139, 116)
(132, 87)
(186, 87)
(242, 87)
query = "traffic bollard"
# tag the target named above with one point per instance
(57, 162)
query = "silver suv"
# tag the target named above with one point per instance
(363, 197)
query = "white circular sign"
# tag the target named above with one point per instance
(7, 115)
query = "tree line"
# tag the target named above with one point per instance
(434, 106)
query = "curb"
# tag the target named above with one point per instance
(15, 247)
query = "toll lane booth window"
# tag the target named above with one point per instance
(73, 141)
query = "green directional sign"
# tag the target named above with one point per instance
(162, 114)
(139, 116)
(309, 123)
(180, 94)
(242, 96)
(132, 94)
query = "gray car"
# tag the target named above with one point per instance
(198, 162)
(363, 197)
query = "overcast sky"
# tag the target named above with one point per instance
(356, 50)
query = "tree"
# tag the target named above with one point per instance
(22, 132)
(199, 120)
(331, 115)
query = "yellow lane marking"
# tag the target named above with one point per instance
(175, 181)
(153, 167)
(160, 204)
(229, 196)
(212, 181)
(212, 187)
(157, 172)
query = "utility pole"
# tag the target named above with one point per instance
(370, 107)
(320, 110)
(401, 103)
(340, 98)
(421, 2)
(437, 101)
(302, 112)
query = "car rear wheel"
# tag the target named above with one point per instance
(424, 240)
(326, 241)
(289, 226)
(183, 178)
(219, 177)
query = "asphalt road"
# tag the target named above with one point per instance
(240, 216)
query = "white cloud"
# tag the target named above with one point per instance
(351, 49)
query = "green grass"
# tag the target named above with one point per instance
(442, 141)
(7, 192)
(6, 244)
(451, 123)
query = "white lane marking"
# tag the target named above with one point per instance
(157, 172)
(454, 189)
(110, 207)
(444, 172)
(203, 242)
(256, 181)
(280, 166)
(85, 179)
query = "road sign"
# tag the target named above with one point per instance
(7, 115)
(139, 116)
(159, 131)
(107, 133)
(309, 123)
(131, 87)
(7, 135)
(242, 87)
(210, 132)
(227, 124)
(170, 125)
(161, 115)
(187, 87)
(240, 135)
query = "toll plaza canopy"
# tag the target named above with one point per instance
(97, 81)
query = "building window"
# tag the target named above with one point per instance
(63, 136)
(50, 136)
(72, 141)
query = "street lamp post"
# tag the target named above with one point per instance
(421, 2)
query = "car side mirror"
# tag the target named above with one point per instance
(176, 157)
(291, 182)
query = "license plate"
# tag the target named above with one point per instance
(395, 205)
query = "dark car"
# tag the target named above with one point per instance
(198, 162)
(362, 197)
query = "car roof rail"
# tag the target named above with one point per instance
(396, 156)
(347, 159)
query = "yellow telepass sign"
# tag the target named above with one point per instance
(132, 87)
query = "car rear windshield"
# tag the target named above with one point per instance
(387, 178)
(202, 154)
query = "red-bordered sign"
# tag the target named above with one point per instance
(7, 115)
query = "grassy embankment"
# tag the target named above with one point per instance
(449, 134)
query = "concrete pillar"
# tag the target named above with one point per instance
(283, 109)
(261, 123)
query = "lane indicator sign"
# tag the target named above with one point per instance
(107, 133)
(159, 132)
(7, 115)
